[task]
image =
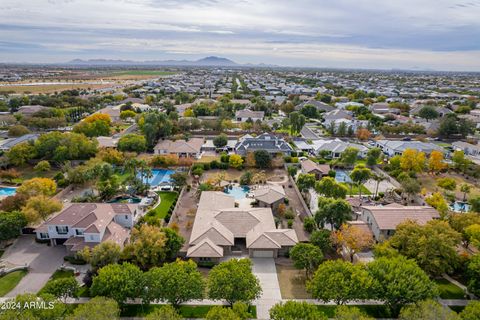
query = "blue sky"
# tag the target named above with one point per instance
(426, 34)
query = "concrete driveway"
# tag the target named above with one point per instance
(43, 261)
(265, 270)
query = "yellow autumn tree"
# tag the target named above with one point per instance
(435, 162)
(353, 238)
(412, 160)
(38, 186)
(437, 201)
(99, 116)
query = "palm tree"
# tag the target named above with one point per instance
(465, 188)
(360, 174)
(378, 178)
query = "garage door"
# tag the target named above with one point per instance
(263, 254)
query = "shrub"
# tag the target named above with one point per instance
(289, 214)
(447, 183)
(290, 223)
(309, 224)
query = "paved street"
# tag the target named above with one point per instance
(265, 270)
(42, 259)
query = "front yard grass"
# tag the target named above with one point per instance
(292, 282)
(355, 189)
(187, 312)
(10, 281)
(449, 290)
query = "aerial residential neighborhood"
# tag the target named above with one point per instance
(321, 171)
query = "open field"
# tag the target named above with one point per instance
(51, 88)
(135, 74)
(429, 182)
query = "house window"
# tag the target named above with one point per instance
(43, 235)
(61, 229)
(126, 217)
(204, 259)
(79, 232)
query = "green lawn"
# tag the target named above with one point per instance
(448, 290)
(136, 310)
(10, 281)
(375, 311)
(122, 177)
(167, 199)
(355, 189)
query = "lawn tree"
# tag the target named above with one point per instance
(465, 189)
(437, 201)
(220, 141)
(154, 125)
(473, 274)
(350, 313)
(372, 156)
(432, 246)
(352, 238)
(349, 156)
(97, 308)
(306, 256)
(322, 239)
(436, 162)
(262, 159)
(330, 188)
(102, 254)
(473, 234)
(293, 310)
(132, 143)
(179, 179)
(173, 244)
(412, 160)
(341, 282)
(37, 187)
(292, 170)
(460, 221)
(427, 309)
(57, 310)
(175, 282)
(309, 224)
(164, 313)
(428, 113)
(62, 288)
(42, 166)
(305, 181)
(471, 311)
(400, 281)
(378, 178)
(332, 211)
(147, 246)
(233, 281)
(235, 161)
(460, 162)
(410, 187)
(297, 122)
(19, 154)
(119, 282)
(11, 224)
(359, 175)
(126, 114)
(40, 208)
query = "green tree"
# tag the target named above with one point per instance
(179, 179)
(460, 221)
(11, 224)
(471, 311)
(154, 125)
(104, 253)
(350, 313)
(465, 188)
(164, 313)
(428, 113)
(173, 243)
(460, 162)
(40, 208)
(17, 131)
(427, 309)
(233, 281)
(360, 174)
(20, 154)
(38, 186)
(235, 161)
(349, 156)
(297, 121)
(305, 181)
(62, 288)
(330, 188)
(220, 141)
(147, 246)
(262, 159)
(332, 211)
(175, 282)
(306, 256)
(97, 308)
(127, 114)
(293, 310)
(411, 187)
(473, 274)
(400, 281)
(341, 282)
(221, 313)
(119, 282)
(42, 166)
(321, 239)
(52, 311)
(133, 143)
(372, 156)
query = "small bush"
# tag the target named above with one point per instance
(290, 223)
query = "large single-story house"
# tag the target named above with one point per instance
(182, 148)
(246, 114)
(383, 108)
(336, 147)
(88, 224)
(7, 144)
(467, 148)
(112, 111)
(209, 146)
(220, 229)
(265, 141)
(383, 220)
(319, 105)
(397, 147)
(319, 170)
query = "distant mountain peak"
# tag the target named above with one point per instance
(207, 61)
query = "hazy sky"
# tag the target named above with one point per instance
(435, 34)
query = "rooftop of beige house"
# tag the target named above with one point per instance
(180, 146)
(309, 166)
(269, 194)
(388, 217)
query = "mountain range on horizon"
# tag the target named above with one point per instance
(213, 61)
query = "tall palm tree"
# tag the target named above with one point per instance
(378, 178)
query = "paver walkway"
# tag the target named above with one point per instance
(265, 270)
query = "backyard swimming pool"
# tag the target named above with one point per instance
(160, 177)
(237, 192)
(458, 206)
(342, 176)
(7, 191)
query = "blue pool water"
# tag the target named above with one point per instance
(458, 206)
(342, 176)
(160, 177)
(6, 191)
(237, 192)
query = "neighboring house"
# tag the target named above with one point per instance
(383, 220)
(320, 106)
(88, 224)
(338, 116)
(336, 147)
(302, 145)
(209, 146)
(7, 144)
(246, 114)
(269, 196)
(319, 170)
(467, 148)
(182, 148)
(107, 142)
(383, 108)
(220, 229)
(265, 141)
(30, 110)
(112, 111)
(396, 147)
(442, 111)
